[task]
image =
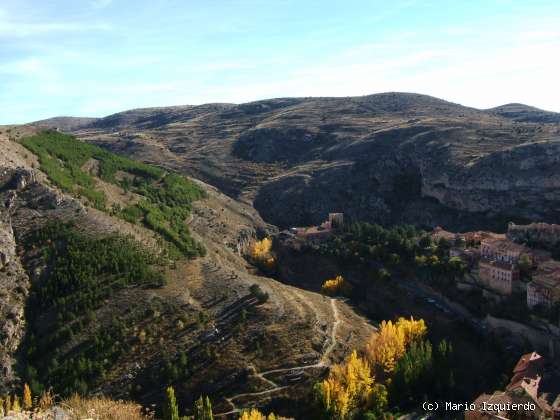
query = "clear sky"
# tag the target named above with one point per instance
(97, 57)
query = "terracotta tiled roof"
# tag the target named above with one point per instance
(505, 245)
(499, 264)
(529, 367)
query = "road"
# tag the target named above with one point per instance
(323, 362)
(432, 298)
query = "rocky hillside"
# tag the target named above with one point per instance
(524, 113)
(385, 158)
(107, 289)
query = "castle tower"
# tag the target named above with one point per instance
(336, 220)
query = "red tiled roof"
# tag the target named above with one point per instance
(504, 245)
(499, 264)
(530, 367)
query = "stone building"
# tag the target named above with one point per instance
(532, 393)
(498, 275)
(318, 234)
(545, 287)
(494, 406)
(439, 233)
(502, 250)
(336, 220)
(470, 238)
(540, 381)
(475, 238)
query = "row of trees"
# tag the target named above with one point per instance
(351, 389)
(12, 404)
(202, 410)
(399, 250)
(397, 370)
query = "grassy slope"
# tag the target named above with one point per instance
(166, 197)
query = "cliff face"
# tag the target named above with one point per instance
(383, 158)
(14, 282)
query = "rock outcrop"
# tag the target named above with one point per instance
(14, 282)
(24, 204)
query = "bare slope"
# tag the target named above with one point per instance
(393, 157)
(64, 123)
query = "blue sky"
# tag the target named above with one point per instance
(97, 57)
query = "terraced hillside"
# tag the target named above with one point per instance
(385, 158)
(101, 299)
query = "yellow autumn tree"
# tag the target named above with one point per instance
(27, 399)
(413, 329)
(336, 286)
(347, 388)
(8, 404)
(260, 253)
(261, 248)
(254, 414)
(389, 344)
(16, 407)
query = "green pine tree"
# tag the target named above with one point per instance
(203, 409)
(199, 409)
(208, 409)
(170, 408)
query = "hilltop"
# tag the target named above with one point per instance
(525, 113)
(64, 123)
(385, 158)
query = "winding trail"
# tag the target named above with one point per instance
(323, 362)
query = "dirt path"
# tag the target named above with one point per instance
(324, 362)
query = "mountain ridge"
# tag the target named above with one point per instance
(500, 110)
(386, 158)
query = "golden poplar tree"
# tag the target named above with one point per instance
(413, 330)
(16, 407)
(389, 344)
(254, 414)
(336, 286)
(27, 399)
(260, 253)
(347, 388)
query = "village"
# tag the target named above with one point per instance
(497, 266)
(502, 264)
